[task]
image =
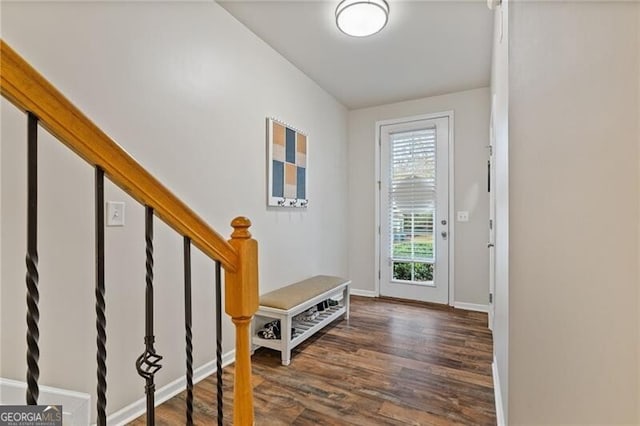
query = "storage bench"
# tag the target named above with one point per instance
(285, 303)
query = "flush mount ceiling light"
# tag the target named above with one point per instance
(361, 18)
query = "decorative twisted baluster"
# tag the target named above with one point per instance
(32, 277)
(219, 342)
(148, 363)
(101, 321)
(187, 328)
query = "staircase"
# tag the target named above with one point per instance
(44, 106)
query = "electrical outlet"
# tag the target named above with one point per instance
(463, 216)
(115, 213)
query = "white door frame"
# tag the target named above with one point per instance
(377, 184)
(491, 246)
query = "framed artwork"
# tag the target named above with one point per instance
(287, 164)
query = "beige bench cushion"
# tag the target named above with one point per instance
(292, 295)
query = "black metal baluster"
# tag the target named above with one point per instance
(101, 320)
(32, 277)
(219, 341)
(148, 363)
(187, 327)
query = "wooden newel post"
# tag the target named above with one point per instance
(241, 294)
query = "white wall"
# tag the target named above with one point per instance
(185, 89)
(500, 108)
(573, 188)
(471, 133)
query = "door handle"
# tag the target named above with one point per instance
(489, 245)
(444, 234)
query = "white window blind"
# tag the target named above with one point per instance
(412, 194)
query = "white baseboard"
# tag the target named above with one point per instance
(471, 307)
(364, 293)
(138, 408)
(498, 394)
(76, 406)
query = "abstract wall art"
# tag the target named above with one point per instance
(287, 164)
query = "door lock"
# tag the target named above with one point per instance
(443, 221)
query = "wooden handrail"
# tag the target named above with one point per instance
(22, 85)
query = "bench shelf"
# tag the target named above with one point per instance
(303, 329)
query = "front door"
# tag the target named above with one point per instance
(414, 210)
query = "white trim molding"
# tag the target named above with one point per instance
(471, 307)
(76, 406)
(498, 394)
(138, 408)
(364, 293)
(452, 208)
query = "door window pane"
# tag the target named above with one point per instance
(412, 204)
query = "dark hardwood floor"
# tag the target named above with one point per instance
(392, 363)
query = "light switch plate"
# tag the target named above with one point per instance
(115, 213)
(463, 216)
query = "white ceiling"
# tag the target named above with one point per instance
(428, 47)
